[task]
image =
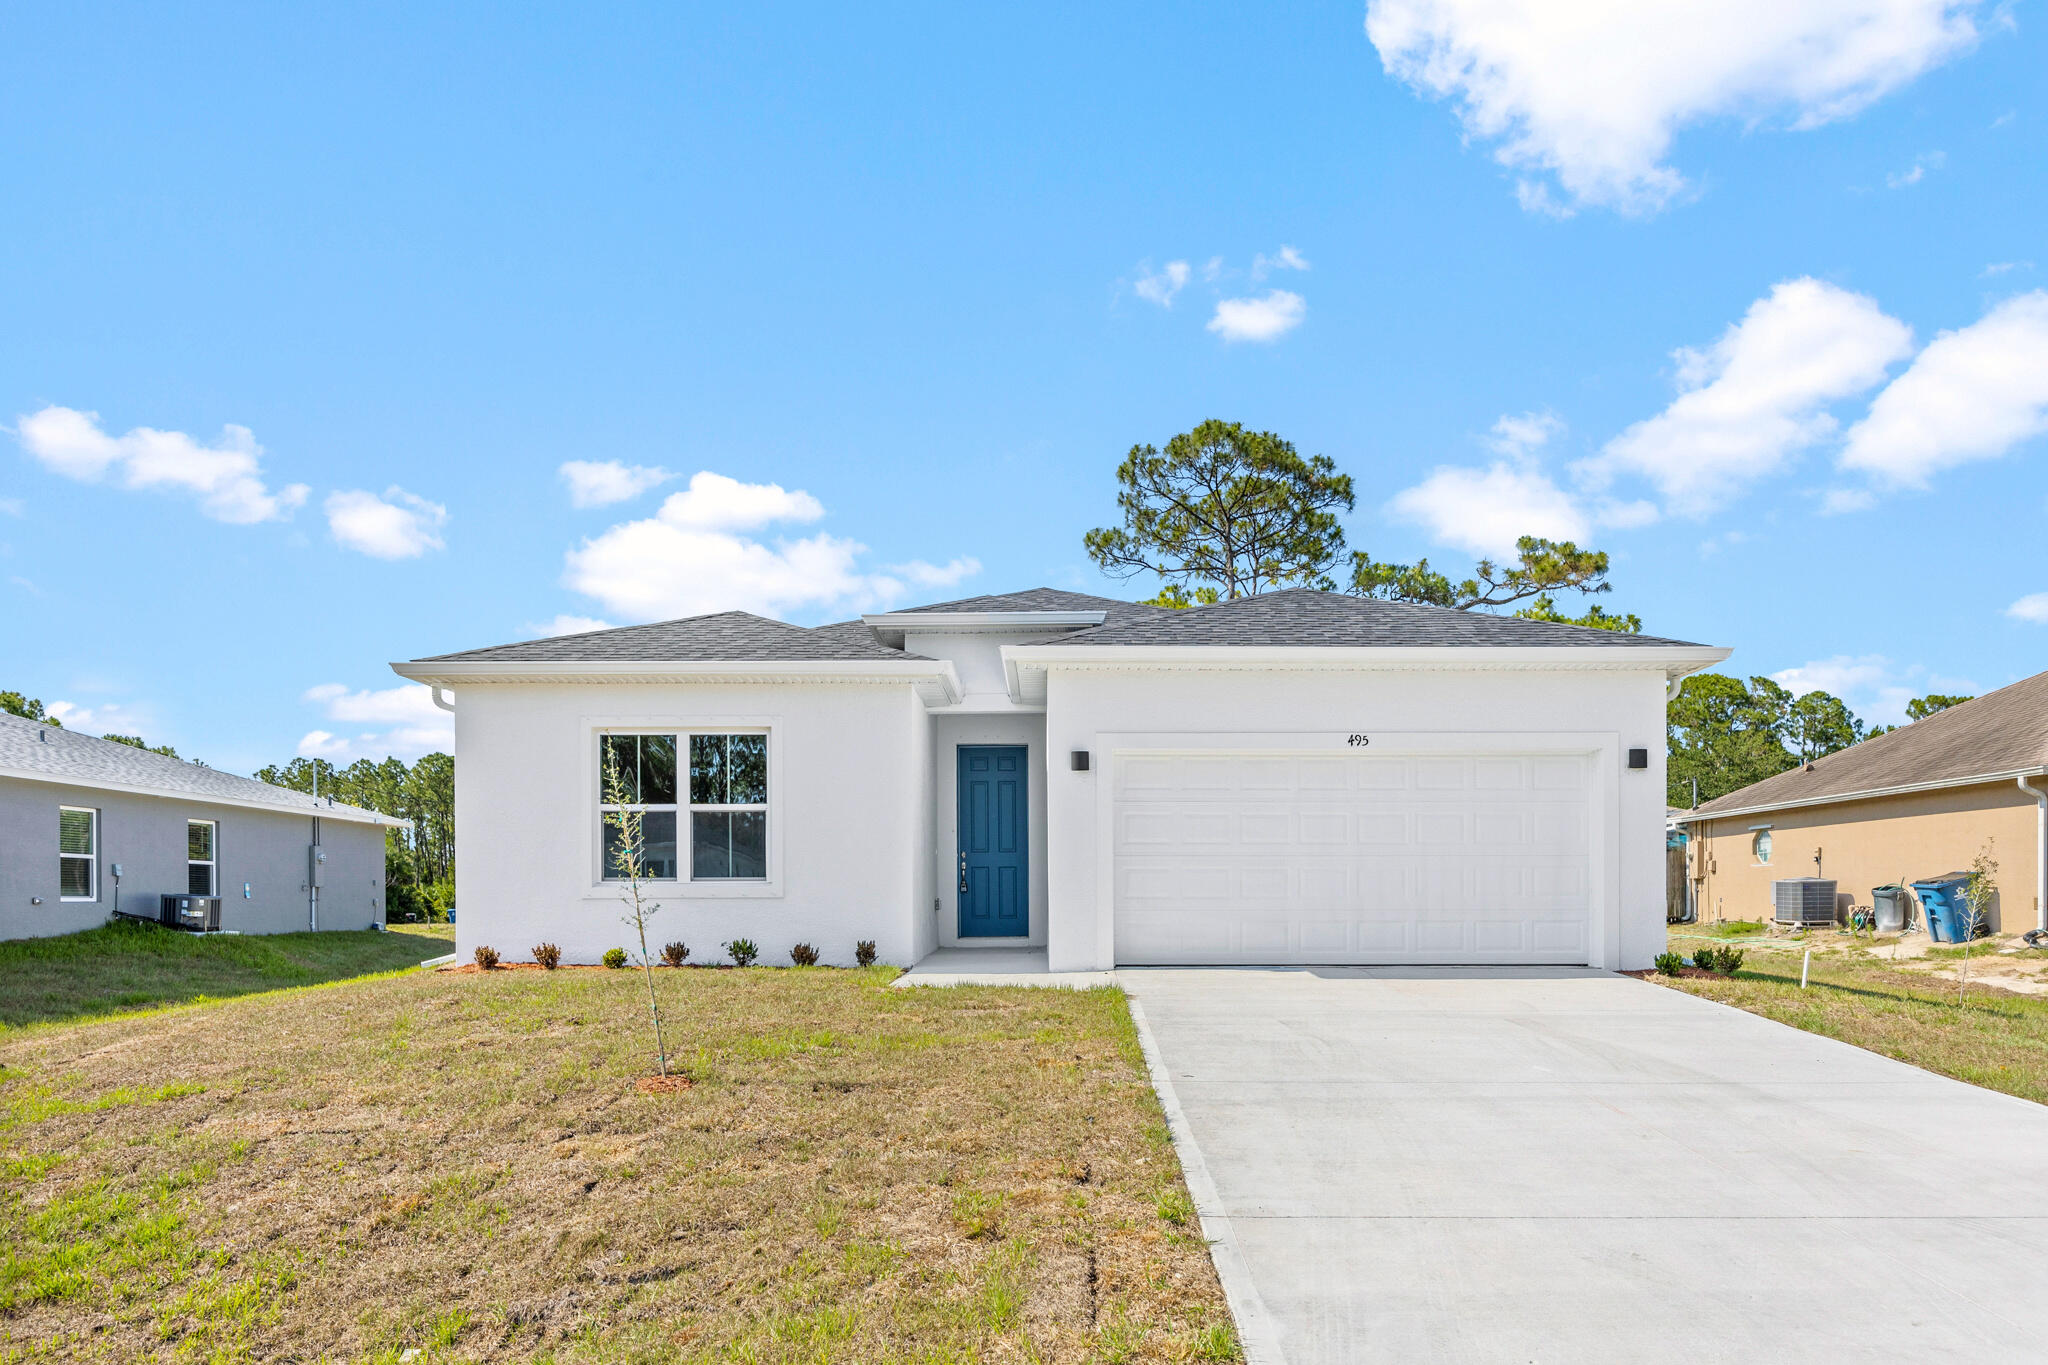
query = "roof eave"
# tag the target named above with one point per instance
(935, 679)
(1024, 666)
(1867, 794)
(891, 626)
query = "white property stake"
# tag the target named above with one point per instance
(1804, 963)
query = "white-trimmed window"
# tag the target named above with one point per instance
(78, 850)
(199, 858)
(728, 807)
(638, 773)
(711, 786)
(1760, 846)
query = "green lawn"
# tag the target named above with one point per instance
(461, 1166)
(127, 966)
(1989, 1036)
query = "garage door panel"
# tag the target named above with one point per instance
(1351, 858)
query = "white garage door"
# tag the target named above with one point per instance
(1351, 858)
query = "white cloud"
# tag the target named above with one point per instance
(1931, 161)
(598, 483)
(1516, 437)
(714, 502)
(567, 624)
(13, 507)
(1287, 258)
(1159, 286)
(1759, 394)
(1591, 92)
(107, 718)
(1485, 511)
(1874, 689)
(227, 476)
(1838, 501)
(2033, 607)
(395, 526)
(921, 575)
(1973, 394)
(1212, 270)
(413, 724)
(1267, 318)
(691, 558)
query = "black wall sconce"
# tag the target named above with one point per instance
(1638, 758)
(1078, 760)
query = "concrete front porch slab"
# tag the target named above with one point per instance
(996, 967)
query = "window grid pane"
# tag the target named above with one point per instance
(74, 831)
(199, 841)
(74, 877)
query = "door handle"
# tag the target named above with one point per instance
(963, 872)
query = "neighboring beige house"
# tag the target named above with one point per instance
(1906, 806)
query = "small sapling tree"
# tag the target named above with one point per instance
(1978, 894)
(628, 859)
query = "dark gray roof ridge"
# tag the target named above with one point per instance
(1307, 617)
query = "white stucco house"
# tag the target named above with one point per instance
(1298, 777)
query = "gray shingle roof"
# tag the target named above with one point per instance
(2000, 732)
(1048, 599)
(1305, 617)
(87, 761)
(735, 635)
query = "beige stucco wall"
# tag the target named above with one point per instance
(1870, 843)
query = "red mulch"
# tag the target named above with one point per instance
(663, 1085)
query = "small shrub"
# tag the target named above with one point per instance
(864, 952)
(547, 955)
(486, 956)
(804, 955)
(675, 954)
(615, 958)
(1671, 964)
(1727, 960)
(744, 951)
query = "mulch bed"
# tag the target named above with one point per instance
(471, 969)
(1646, 973)
(663, 1085)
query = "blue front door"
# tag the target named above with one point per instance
(994, 869)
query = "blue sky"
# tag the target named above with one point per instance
(306, 312)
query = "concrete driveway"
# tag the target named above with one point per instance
(1553, 1165)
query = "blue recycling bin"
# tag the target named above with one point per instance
(1948, 914)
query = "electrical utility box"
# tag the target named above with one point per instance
(317, 867)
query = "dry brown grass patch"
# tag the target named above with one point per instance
(462, 1163)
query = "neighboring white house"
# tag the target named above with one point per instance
(1298, 777)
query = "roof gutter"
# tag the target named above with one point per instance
(1903, 789)
(1025, 666)
(935, 679)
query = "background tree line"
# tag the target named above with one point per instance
(1221, 513)
(419, 867)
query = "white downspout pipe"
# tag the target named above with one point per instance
(2040, 852)
(441, 700)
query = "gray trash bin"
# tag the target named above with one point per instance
(1891, 906)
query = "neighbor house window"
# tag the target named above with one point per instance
(78, 846)
(1760, 845)
(638, 773)
(199, 859)
(728, 807)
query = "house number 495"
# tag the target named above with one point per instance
(1359, 741)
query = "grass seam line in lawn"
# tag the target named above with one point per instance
(1258, 1335)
